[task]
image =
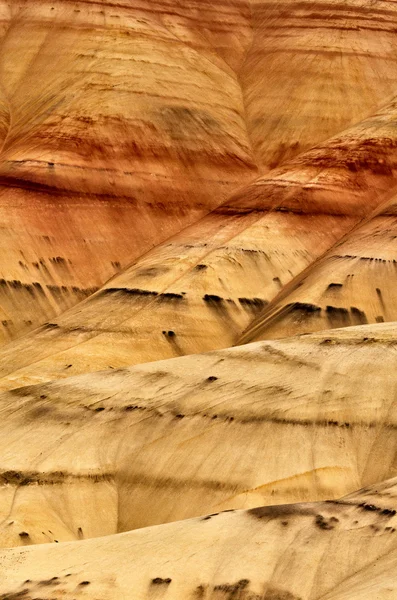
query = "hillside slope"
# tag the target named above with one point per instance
(114, 150)
(341, 550)
(178, 179)
(149, 114)
(202, 288)
(306, 418)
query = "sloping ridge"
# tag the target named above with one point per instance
(234, 428)
(149, 480)
(112, 152)
(340, 550)
(352, 283)
(202, 288)
(148, 115)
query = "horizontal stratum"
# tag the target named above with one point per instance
(198, 300)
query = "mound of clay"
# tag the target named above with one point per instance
(198, 320)
(345, 549)
(169, 440)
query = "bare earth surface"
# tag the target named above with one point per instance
(198, 305)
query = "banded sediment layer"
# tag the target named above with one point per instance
(174, 439)
(197, 305)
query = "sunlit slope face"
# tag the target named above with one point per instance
(271, 552)
(202, 288)
(237, 428)
(313, 69)
(121, 90)
(354, 283)
(178, 177)
(119, 125)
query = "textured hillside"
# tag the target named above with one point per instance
(314, 69)
(200, 289)
(178, 179)
(237, 428)
(354, 283)
(344, 549)
(121, 123)
(115, 134)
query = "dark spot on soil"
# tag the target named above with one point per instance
(304, 307)
(199, 592)
(370, 507)
(170, 296)
(337, 315)
(14, 595)
(48, 582)
(280, 510)
(334, 285)
(160, 581)
(324, 523)
(336, 310)
(358, 315)
(200, 267)
(50, 326)
(127, 291)
(388, 512)
(58, 260)
(212, 298)
(169, 333)
(233, 590)
(209, 516)
(212, 378)
(255, 304)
